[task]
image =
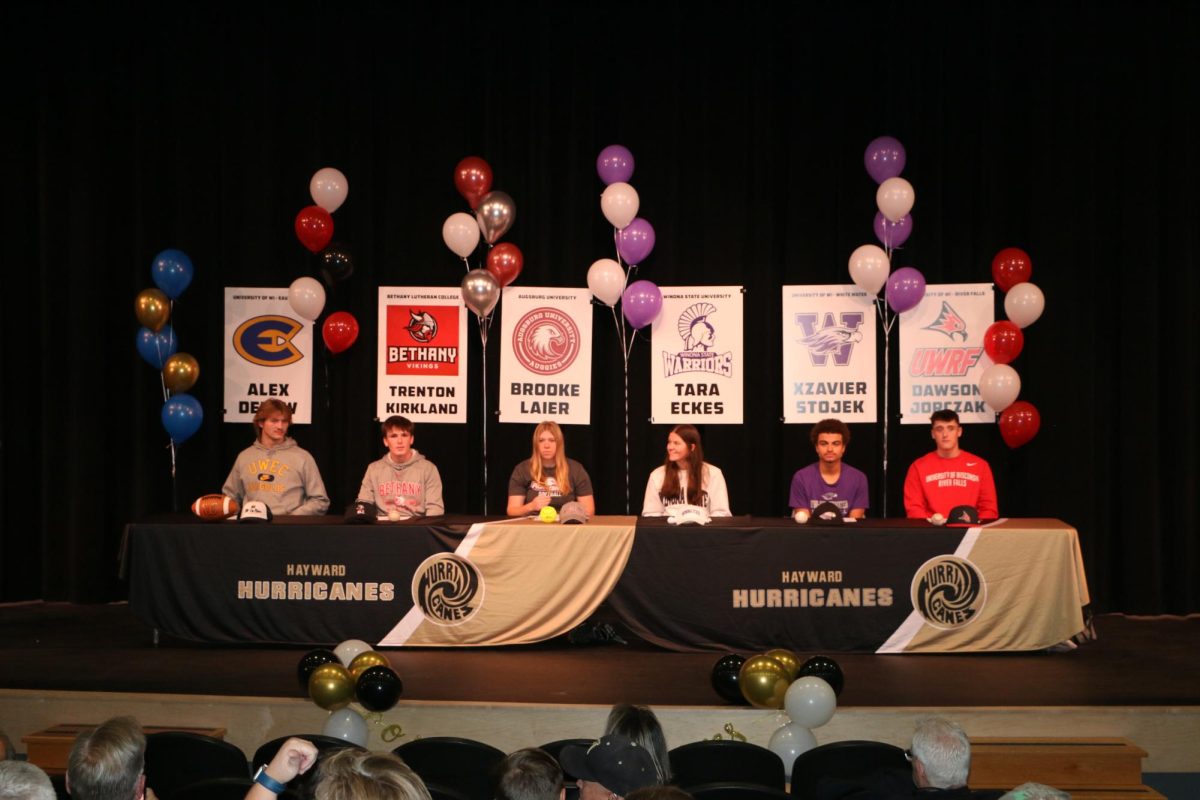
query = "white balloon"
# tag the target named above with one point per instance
(810, 701)
(999, 384)
(1024, 303)
(347, 724)
(347, 650)
(619, 202)
(895, 198)
(606, 281)
(869, 268)
(329, 188)
(789, 742)
(307, 297)
(460, 232)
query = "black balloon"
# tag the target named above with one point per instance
(378, 688)
(825, 668)
(310, 661)
(725, 678)
(336, 264)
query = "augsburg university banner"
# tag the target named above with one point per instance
(546, 355)
(268, 354)
(422, 360)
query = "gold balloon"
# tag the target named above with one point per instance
(364, 661)
(789, 660)
(180, 373)
(763, 681)
(331, 687)
(152, 308)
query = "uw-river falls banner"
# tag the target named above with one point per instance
(422, 360)
(829, 355)
(941, 353)
(268, 354)
(546, 355)
(697, 359)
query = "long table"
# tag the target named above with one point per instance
(743, 583)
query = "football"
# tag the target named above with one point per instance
(214, 506)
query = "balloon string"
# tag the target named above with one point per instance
(483, 332)
(880, 306)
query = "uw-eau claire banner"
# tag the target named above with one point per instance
(268, 354)
(422, 360)
(697, 356)
(545, 355)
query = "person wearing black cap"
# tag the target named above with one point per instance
(611, 768)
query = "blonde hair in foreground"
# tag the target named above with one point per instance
(360, 775)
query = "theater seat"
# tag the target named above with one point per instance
(224, 789)
(463, 765)
(724, 761)
(555, 749)
(735, 791)
(175, 759)
(844, 761)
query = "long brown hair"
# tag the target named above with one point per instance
(695, 468)
(562, 472)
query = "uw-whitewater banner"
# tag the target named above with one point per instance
(697, 358)
(546, 355)
(268, 354)
(829, 354)
(941, 353)
(422, 360)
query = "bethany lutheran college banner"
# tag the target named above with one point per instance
(422, 354)
(941, 353)
(697, 358)
(268, 354)
(828, 354)
(546, 355)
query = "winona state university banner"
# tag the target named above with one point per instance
(546, 355)
(422, 354)
(941, 353)
(268, 351)
(697, 357)
(828, 354)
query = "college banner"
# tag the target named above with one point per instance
(422, 359)
(546, 355)
(941, 353)
(829, 354)
(268, 354)
(697, 358)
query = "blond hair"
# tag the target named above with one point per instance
(562, 471)
(352, 774)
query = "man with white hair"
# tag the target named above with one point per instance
(107, 763)
(941, 757)
(20, 780)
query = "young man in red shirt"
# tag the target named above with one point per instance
(949, 476)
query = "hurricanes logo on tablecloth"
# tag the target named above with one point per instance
(545, 341)
(948, 592)
(448, 589)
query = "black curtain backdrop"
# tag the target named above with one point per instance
(1063, 128)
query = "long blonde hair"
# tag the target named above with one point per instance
(562, 472)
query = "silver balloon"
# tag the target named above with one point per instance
(480, 291)
(495, 214)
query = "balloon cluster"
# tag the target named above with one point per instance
(1003, 341)
(351, 671)
(182, 414)
(314, 228)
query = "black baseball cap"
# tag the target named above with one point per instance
(826, 513)
(360, 512)
(962, 517)
(617, 763)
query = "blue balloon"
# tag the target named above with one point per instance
(172, 272)
(156, 348)
(181, 416)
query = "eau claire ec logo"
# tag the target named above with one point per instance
(448, 589)
(699, 335)
(948, 592)
(545, 341)
(266, 340)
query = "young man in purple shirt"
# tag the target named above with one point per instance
(829, 480)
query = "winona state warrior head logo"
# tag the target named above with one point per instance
(448, 588)
(546, 341)
(950, 323)
(836, 337)
(697, 332)
(422, 327)
(948, 592)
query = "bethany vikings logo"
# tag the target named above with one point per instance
(950, 323)
(699, 337)
(546, 341)
(836, 337)
(422, 327)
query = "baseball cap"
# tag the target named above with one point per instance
(573, 514)
(617, 763)
(826, 513)
(962, 517)
(360, 512)
(255, 511)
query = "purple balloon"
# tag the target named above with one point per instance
(641, 303)
(615, 164)
(905, 288)
(884, 158)
(635, 241)
(892, 234)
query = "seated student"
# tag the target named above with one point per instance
(828, 480)
(548, 477)
(685, 477)
(275, 469)
(949, 477)
(403, 480)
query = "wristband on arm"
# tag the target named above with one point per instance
(267, 782)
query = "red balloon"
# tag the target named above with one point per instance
(1019, 423)
(1002, 341)
(314, 228)
(339, 331)
(1010, 267)
(473, 179)
(504, 261)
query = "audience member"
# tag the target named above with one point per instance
(610, 768)
(529, 774)
(348, 774)
(107, 763)
(1035, 791)
(20, 780)
(639, 724)
(941, 757)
